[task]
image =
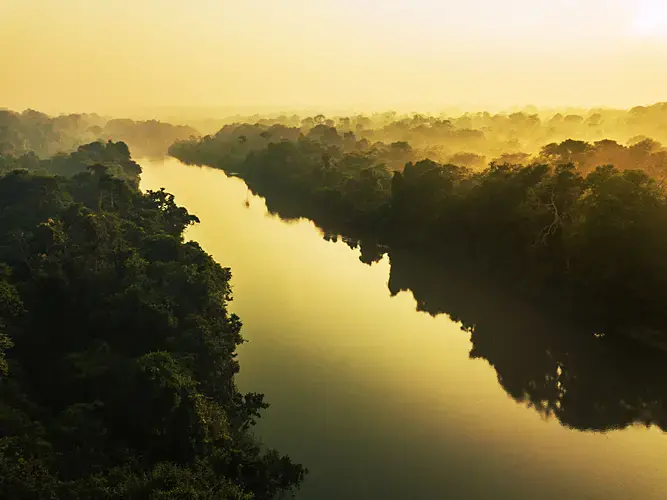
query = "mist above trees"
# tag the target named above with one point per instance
(579, 224)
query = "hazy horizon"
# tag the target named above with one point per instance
(427, 235)
(126, 58)
(188, 114)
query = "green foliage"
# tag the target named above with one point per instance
(31, 135)
(43, 135)
(565, 226)
(117, 351)
(551, 365)
(111, 158)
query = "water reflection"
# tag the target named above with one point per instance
(586, 381)
(382, 402)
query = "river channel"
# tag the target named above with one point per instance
(380, 400)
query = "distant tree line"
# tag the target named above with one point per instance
(32, 132)
(580, 226)
(471, 139)
(474, 139)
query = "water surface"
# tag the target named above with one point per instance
(379, 400)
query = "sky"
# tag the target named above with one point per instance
(125, 56)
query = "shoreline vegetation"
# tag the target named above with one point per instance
(117, 350)
(577, 227)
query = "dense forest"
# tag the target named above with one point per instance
(35, 133)
(468, 139)
(576, 225)
(117, 349)
(542, 360)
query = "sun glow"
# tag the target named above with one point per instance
(122, 56)
(651, 20)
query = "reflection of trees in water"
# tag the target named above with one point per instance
(587, 382)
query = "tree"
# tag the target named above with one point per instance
(117, 350)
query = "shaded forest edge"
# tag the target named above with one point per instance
(543, 361)
(586, 239)
(117, 350)
(526, 257)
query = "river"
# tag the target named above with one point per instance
(380, 400)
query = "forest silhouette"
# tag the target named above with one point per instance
(442, 224)
(539, 233)
(117, 351)
(574, 230)
(579, 225)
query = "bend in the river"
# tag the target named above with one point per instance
(380, 400)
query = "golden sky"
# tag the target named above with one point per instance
(128, 55)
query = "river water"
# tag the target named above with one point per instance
(377, 399)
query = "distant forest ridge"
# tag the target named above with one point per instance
(468, 139)
(569, 217)
(476, 214)
(44, 136)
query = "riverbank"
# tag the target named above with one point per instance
(381, 400)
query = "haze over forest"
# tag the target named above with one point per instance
(504, 163)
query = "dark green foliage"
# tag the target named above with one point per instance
(587, 382)
(113, 157)
(117, 352)
(562, 229)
